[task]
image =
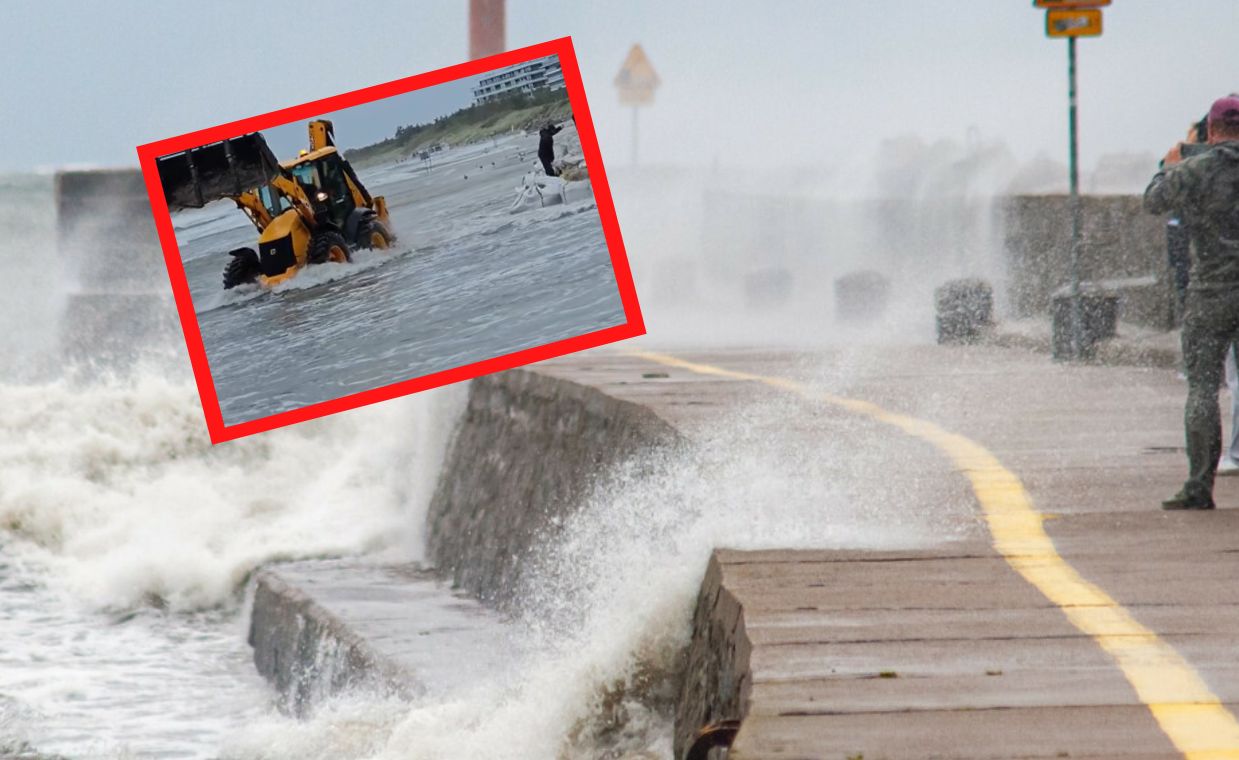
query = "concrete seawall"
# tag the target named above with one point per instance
(716, 682)
(321, 627)
(526, 454)
(305, 651)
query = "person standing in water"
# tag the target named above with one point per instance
(546, 148)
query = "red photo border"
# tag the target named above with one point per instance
(220, 432)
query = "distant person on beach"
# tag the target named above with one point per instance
(546, 148)
(1203, 191)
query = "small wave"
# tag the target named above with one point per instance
(553, 213)
(310, 277)
(321, 274)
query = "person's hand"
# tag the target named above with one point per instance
(1174, 156)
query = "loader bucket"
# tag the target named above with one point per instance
(194, 178)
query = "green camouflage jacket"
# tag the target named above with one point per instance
(1204, 192)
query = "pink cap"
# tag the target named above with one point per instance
(1225, 111)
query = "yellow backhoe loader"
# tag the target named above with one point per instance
(309, 210)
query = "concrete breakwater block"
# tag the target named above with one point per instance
(717, 680)
(119, 303)
(526, 454)
(861, 296)
(105, 232)
(323, 627)
(963, 308)
(1099, 310)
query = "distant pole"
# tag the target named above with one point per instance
(1077, 316)
(636, 82)
(486, 28)
(634, 135)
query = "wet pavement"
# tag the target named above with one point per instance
(949, 651)
(928, 641)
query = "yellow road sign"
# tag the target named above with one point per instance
(1078, 22)
(1070, 3)
(636, 79)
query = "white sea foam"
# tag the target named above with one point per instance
(306, 278)
(117, 490)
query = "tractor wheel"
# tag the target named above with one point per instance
(375, 234)
(328, 246)
(242, 269)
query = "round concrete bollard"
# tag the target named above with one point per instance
(963, 309)
(1099, 315)
(861, 296)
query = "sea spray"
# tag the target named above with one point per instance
(604, 610)
(116, 489)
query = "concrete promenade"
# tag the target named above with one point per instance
(1012, 588)
(948, 651)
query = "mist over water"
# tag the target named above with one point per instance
(725, 255)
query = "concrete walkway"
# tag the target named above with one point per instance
(948, 651)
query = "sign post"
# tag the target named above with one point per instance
(1072, 19)
(636, 82)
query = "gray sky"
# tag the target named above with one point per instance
(758, 83)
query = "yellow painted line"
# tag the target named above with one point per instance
(1189, 713)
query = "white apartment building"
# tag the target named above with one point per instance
(541, 73)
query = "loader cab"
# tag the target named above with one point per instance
(273, 200)
(323, 170)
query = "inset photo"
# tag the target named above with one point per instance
(391, 240)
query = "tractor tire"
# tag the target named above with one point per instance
(375, 234)
(242, 269)
(328, 246)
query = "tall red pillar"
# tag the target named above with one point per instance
(486, 30)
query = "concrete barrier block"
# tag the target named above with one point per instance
(861, 296)
(119, 303)
(105, 232)
(1099, 321)
(963, 309)
(716, 682)
(1119, 241)
(525, 454)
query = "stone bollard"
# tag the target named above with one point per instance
(1099, 310)
(861, 296)
(767, 288)
(118, 302)
(963, 309)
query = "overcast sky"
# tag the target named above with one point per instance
(758, 83)
(368, 123)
